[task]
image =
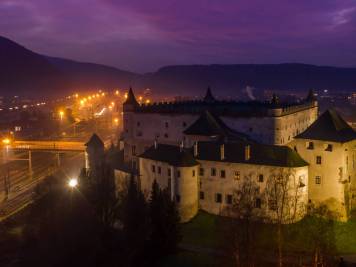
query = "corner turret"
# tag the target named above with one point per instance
(94, 152)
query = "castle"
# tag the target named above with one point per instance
(202, 150)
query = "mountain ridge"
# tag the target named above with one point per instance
(23, 71)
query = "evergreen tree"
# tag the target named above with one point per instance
(135, 223)
(164, 219)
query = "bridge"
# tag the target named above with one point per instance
(52, 146)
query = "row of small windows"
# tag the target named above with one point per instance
(218, 198)
(201, 173)
(213, 172)
(327, 147)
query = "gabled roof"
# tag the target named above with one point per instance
(170, 154)
(329, 127)
(95, 141)
(210, 125)
(131, 99)
(209, 96)
(260, 154)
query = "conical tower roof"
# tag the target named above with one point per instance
(329, 127)
(95, 141)
(131, 99)
(209, 96)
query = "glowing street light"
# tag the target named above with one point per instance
(61, 114)
(72, 183)
(6, 141)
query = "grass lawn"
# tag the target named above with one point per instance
(205, 231)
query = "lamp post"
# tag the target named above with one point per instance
(73, 183)
(61, 114)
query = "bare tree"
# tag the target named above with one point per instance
(245, 212)
(284, 193)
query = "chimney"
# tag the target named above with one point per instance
(247, 152)
(155, 144)
(222, 151)
(196, 149)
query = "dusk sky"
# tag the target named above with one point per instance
(145, 35)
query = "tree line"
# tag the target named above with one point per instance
(94, 225)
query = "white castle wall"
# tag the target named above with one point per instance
(188, 187)
(337, 171)
(141, 129)
(211, 185)
(183, 187)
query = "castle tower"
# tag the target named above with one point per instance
(94, 153)
(209, 98)
(129, 108)
(131, 103)
(328, 146)
(311, 98)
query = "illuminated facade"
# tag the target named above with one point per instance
(199, 150)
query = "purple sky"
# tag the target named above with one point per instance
(144, 35)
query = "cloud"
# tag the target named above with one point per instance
(143, 35)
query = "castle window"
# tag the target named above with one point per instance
(159, 170)
(260, 178)
(317, 179)
(218, 198)
(301, 180)
(329, 147)
(138, 124)
(165, 135)
(201, 195)
(272, 204)
(193, 173)
(178, 173)
(138, 133)
(318, 160)
(213, 172)
(133, 150)
(201, 171)
(310, 145)
(237, 175)
(169, 172)
(258, 203)
(228, 199)
(222, 174)
(166, 124)
(177, 198)
(153, 168)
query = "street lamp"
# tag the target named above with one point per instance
(6, 141)
(61, 114)
(72, 183)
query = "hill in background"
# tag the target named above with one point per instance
(28, 73)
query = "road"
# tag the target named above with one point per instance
(15, 176)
